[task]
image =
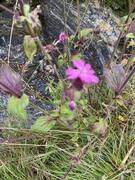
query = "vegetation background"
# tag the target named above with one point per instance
(67, 154)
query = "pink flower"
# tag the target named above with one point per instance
(82, 71)
(62, 37)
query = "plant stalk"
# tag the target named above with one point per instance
(126, 80)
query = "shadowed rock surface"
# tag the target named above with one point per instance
(60, 16)
(64, 16)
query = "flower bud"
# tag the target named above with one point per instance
(72, 105)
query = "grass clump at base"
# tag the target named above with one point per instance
(89, 134)
(51, 155)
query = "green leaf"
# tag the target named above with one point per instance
(71, 38)
(22, 19)
(30, 47)
(132, 59)
(26, 9)
(76, 56)
(130, 35)
(131, 43)
(54, 114)
(43, 124)
(85, 32)
(24, 101)
(61, 59)
(65, 113)
(100, 127)
(91, 119)
(124, 18)
(18, 22)
(16, 106)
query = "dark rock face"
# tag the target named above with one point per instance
(59, 17)
(64, 16)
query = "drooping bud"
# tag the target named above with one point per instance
(10, 81)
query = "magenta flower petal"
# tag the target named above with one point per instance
(88, 67)
(72, 73)
(89, 79)
(79, 63)
(82, 71)
(62, 37)
(95, 79)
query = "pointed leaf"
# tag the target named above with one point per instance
(26, 9)
(30, 47)
(16, 106)
(85, 32)
(65, 113)
(33, 18)
(100, 127)
(130, 35)
(43, 124)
